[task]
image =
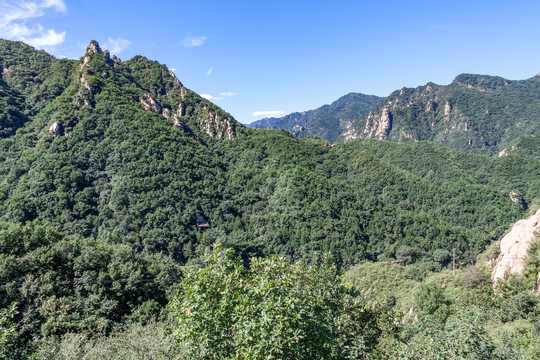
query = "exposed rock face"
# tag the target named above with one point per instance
(515, 247)
(166, 113)
(350, 134)
(447, 108)
(504, 152)
(217, 127)
(516, 197)
(150, 104)
(536, 290)
(431, 106)
(176, 81)
(55, 129)
(177, 117)
(379, 128)
(94, 48)
(4, 70)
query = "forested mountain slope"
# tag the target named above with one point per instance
(104, 164)
(327, 122)
(475, 113)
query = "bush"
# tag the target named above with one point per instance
(405, 255)
(432, 304)
(442, 256)
(134, 342)
(273, 310)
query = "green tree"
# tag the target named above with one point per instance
(274, 310)
(7, 327)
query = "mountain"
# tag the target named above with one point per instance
(264, 123)
(475, 113)
(327, 122)
(105, 163)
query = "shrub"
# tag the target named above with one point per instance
(274, 310)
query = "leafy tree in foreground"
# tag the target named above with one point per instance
(274, 310)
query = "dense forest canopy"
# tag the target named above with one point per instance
(105, 163)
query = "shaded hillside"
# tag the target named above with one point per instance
(476, 113)
(327, 122)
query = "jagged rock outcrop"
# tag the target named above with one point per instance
(515, 248)
(92, 49)
(177, 117)
(217, 127)
(517, 198)
(148, 103)
(379, 128)
(504, 152)
(55, 129)
(447, 108)
(431, 106)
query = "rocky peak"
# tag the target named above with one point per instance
(93, 48)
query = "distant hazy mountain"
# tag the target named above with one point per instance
(475, 113)
(328, 121)
(265, 123)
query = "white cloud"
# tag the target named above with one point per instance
(273, 113)
(58, 4)
(116, 46)
(220, 96)
(210, 97)
(194, 41)
(50, 38)
(228, 93)
(16, 15)
(210, 71)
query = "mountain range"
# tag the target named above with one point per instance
(475, 113)
(105, 164)
(478, 114)
(327, 122)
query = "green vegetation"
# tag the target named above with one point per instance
(476, 113)
(327, 122)
(98, 220)
(274, 310)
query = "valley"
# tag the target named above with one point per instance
(105, 164)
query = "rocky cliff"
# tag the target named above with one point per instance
(475, 113)
(515, 248)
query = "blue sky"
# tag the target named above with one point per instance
(257, 58)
